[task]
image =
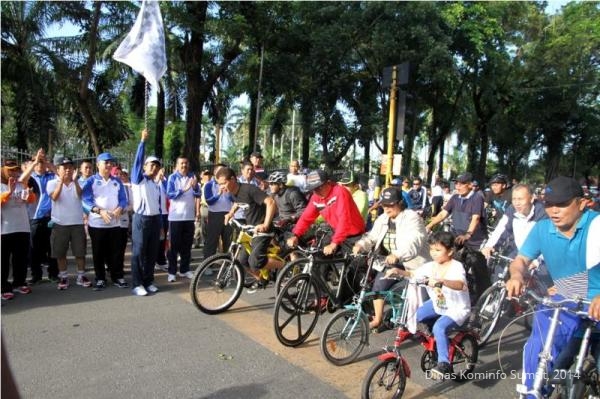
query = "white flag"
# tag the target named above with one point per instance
(144, 47)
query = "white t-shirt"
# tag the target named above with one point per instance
(67, 209)
(297, 180)
(15, 218)
(452, 303)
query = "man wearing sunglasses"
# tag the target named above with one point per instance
(569, 241)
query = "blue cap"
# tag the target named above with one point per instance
(396, 182)
(105, 156)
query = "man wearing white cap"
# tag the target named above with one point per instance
(146, 224)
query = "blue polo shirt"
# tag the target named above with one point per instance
(571, 262)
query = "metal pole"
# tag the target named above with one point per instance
(391, 126)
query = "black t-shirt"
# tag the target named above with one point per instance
(291, 203)
(254, 198)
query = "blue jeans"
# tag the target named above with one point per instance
(442, 324)
(145, 236)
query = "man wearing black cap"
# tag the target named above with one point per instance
(499, 196)
(68, 229)
(468, 218)
(335, 204)
(569, 242)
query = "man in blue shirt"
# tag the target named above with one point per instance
(569, 240)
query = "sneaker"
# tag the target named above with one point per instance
(7, 296)
(171, 278)
(23, 289)
(164, 267)
(442, 371)
(139, 291)
(121, 283)
(187, 274)
(63, 283)
(152, 289)
(99, 285)
(83, 281)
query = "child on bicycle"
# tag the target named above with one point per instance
(449, 304)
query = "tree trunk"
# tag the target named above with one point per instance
(82, 100)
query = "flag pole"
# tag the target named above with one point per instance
(146, 99)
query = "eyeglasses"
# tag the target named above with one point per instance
(416, 184)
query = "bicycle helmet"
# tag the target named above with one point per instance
(499, 178)
(278, 177)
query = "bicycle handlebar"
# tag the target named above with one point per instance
(496, 255)
(551, 303)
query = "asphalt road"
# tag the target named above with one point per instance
(80, 343)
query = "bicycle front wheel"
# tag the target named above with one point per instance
(385, 379)
(344, 337)
(297, 310)
(217, 284)
(488, 309)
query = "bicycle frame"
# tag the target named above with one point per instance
(545, 357)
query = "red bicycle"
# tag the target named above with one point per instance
(388, 375)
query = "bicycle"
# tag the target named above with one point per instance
(493, 303)
(582, 378)
(347, 333)
(388, 375)
(307, 295)
(219, 280)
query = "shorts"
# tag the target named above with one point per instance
(62, 236)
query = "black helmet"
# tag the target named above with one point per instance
(499, 178)
(278, 177)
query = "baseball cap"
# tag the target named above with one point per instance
(391, 195)
(316, 179)
(498, 178)
(10, 164)
(152, 158)
(396, 181)
(562, 189)
(464, 178)
(105, 156)
(63, 161)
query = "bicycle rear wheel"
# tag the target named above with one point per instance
(288, 271)
(385, 379)
(217, 284)
(488, 309)
(344, 337)
(465, 357)
(297, 310)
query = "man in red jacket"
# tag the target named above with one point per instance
(334, 202)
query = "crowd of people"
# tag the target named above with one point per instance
(48, 208)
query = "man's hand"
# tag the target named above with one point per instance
(105, 215)
(594, 310)
(262, 228)
(515, 286)
(461, 239)
(487, 252)
(292, 242)
(356, 249)
(227, 218)
(391, 259)
(330, 249)
(117, 212)
(144, 135)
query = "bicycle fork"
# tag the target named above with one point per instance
(544, 358)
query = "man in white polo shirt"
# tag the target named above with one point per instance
(182, 190)
(105, 199)
(67, 215)
(146, 223)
